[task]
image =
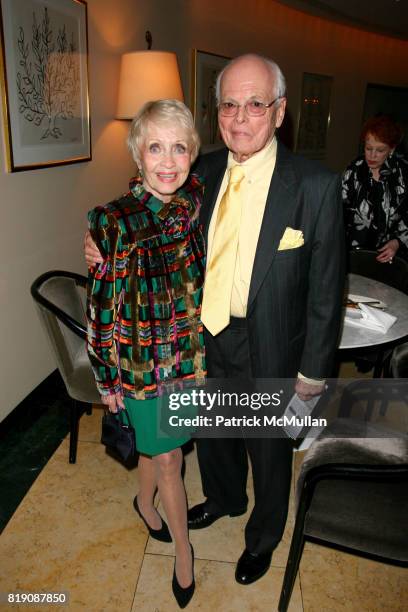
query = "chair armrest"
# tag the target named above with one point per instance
(75, 326)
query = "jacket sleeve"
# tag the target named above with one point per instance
(326, 285)
(349, 199)
(400, 227)
(105, 284)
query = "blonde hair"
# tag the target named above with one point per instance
(162, 111)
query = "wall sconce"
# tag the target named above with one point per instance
(144, 76)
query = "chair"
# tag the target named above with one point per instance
(61, 308)
(352, 495)
(399, 361)
(367, 392)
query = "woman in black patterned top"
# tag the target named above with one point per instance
(375, 189)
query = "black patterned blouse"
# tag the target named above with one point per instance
(376, 211)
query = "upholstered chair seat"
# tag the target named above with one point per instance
(352, 494)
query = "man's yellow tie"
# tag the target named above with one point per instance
(215, 310)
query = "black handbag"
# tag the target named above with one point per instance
(117, 435)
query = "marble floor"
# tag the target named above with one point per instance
(76, 532)
(28, 438)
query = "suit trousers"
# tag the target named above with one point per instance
(224, 462)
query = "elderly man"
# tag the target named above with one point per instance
(272, 295)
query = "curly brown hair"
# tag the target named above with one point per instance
(384, 129)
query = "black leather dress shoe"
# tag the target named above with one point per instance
(252, 566)
(199, 517)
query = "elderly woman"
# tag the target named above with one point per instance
(375, 188)
(144, 310)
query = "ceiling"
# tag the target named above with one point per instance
(385, 16)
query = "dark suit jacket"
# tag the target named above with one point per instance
(295, 296)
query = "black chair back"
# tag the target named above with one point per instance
(60, 298)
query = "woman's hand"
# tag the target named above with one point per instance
(92, 254)
(113, 402)
(387, 252)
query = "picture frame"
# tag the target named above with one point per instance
(205, 68)
(314, 115)
(44, 71)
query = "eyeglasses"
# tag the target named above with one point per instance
(253, 108)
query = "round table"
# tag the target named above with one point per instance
(397, 305)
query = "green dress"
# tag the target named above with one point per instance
(145, 417)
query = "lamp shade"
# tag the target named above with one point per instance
(145, 76)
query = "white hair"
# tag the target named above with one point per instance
(273, 67)
(162, 112)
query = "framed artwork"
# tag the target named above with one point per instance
(206, 67)
(387, 100)
(45, 83)
(314, 116)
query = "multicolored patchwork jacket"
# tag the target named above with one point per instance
(144, 301)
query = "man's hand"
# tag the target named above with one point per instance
(113, 402)
(306, 390)
(388, 251)
(92, 254)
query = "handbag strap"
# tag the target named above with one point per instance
(124, 412)
(119, 418)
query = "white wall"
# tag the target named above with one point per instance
(43, 211)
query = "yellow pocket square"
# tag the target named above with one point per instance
(291, 239)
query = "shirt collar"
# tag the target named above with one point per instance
(263, 157)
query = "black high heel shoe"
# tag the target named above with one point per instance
(162, 534)
(183, 595)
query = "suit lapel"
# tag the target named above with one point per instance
(278, 209)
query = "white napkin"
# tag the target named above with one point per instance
(371, 318)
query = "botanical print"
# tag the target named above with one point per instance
(48, 75)
(44, 69)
